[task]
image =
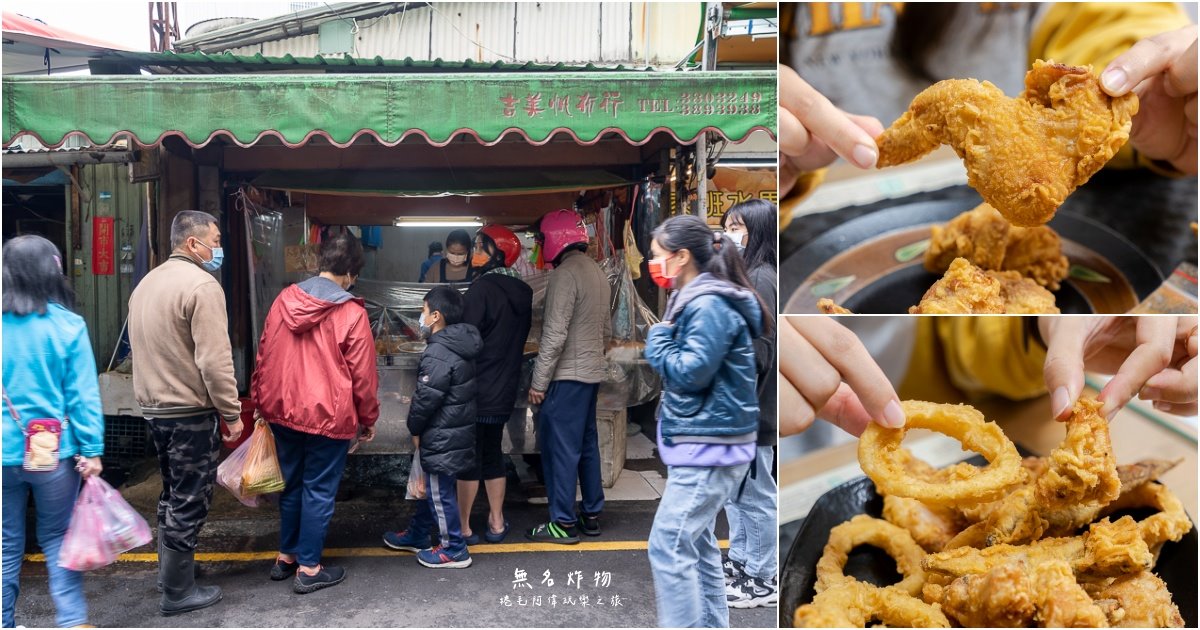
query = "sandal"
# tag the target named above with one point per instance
(495, 537)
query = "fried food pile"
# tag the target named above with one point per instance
(1024, 155)
(967, 289)
(985, 239)
(1017, 543)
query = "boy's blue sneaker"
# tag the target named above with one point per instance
(404, 540)
(438, 558)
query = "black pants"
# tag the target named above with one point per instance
(187, 457)
(489, 453)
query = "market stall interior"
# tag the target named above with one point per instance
(433, 146)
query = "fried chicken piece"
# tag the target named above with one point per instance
(1026, 154)
(967, 289)
(1000, 598)
(1139, 600)
(1017, 594)
(1079, 479)
(1107, 549)
(1023, 296)
(829, 307)
(932, 526)
(986, 239)
(964, 289)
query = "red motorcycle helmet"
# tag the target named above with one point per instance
(504, 239)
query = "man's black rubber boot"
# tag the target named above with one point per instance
(177, 569)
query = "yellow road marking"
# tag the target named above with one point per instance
(380, 552)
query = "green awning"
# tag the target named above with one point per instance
(243, 109)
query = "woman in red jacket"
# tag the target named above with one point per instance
(316, 384)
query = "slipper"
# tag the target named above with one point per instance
(495, 537)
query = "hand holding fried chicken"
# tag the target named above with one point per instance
(1024, 155)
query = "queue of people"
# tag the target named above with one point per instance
(467, 386)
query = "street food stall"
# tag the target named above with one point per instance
(275, 155)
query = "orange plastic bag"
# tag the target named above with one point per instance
(262, 474)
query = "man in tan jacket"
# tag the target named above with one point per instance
(576, 326)
(184, 383)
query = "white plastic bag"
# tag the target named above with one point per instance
(416, 479)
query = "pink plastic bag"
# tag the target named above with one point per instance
(229, 474)
(103, 526)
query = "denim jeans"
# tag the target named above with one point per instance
(753, 531)
(689, 585)
(54, 499)
(312, 467)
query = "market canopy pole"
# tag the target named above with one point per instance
(244, 109)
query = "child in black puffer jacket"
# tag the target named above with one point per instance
(442, 423)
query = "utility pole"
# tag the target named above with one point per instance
(164, 26)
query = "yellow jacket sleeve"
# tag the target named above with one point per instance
(975, 356)
(1094, 33)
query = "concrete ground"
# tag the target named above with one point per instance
(385, 588)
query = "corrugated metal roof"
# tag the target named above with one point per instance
(226, 63)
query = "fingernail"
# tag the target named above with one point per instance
(1109, 410)
(1060, 401)
(1115, 80)
(1156, 381)
(893, 415)
(865, 156)
(1162, 406)
(1150, 393)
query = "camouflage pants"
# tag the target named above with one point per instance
(187, 457)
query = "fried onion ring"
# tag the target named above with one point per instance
(864, 530)
(880, 455)
(853, 604)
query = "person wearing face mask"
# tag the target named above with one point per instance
(184, 383)
(708, 416)
(500, 305)
(441, 420)
(576, 327)
(316, 412)
(455, 263)
(752, 566)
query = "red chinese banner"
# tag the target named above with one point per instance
(104, 245)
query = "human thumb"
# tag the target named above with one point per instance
(1064, 364)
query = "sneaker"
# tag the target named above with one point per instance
(325, 577)
(751, 592)
(554, 533)
(404, 540)
(734, 570)
(437, 558)
(283, 570)
(589, 525)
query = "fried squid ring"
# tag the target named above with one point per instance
(853, 604)
(881, 456)
(1170, 523)
(864, 530)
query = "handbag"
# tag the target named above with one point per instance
(42, 438)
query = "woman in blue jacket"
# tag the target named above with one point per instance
(708, 417)
(49, 372)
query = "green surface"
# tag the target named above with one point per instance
(343, 106)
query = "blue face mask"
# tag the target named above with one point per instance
(218, 255)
